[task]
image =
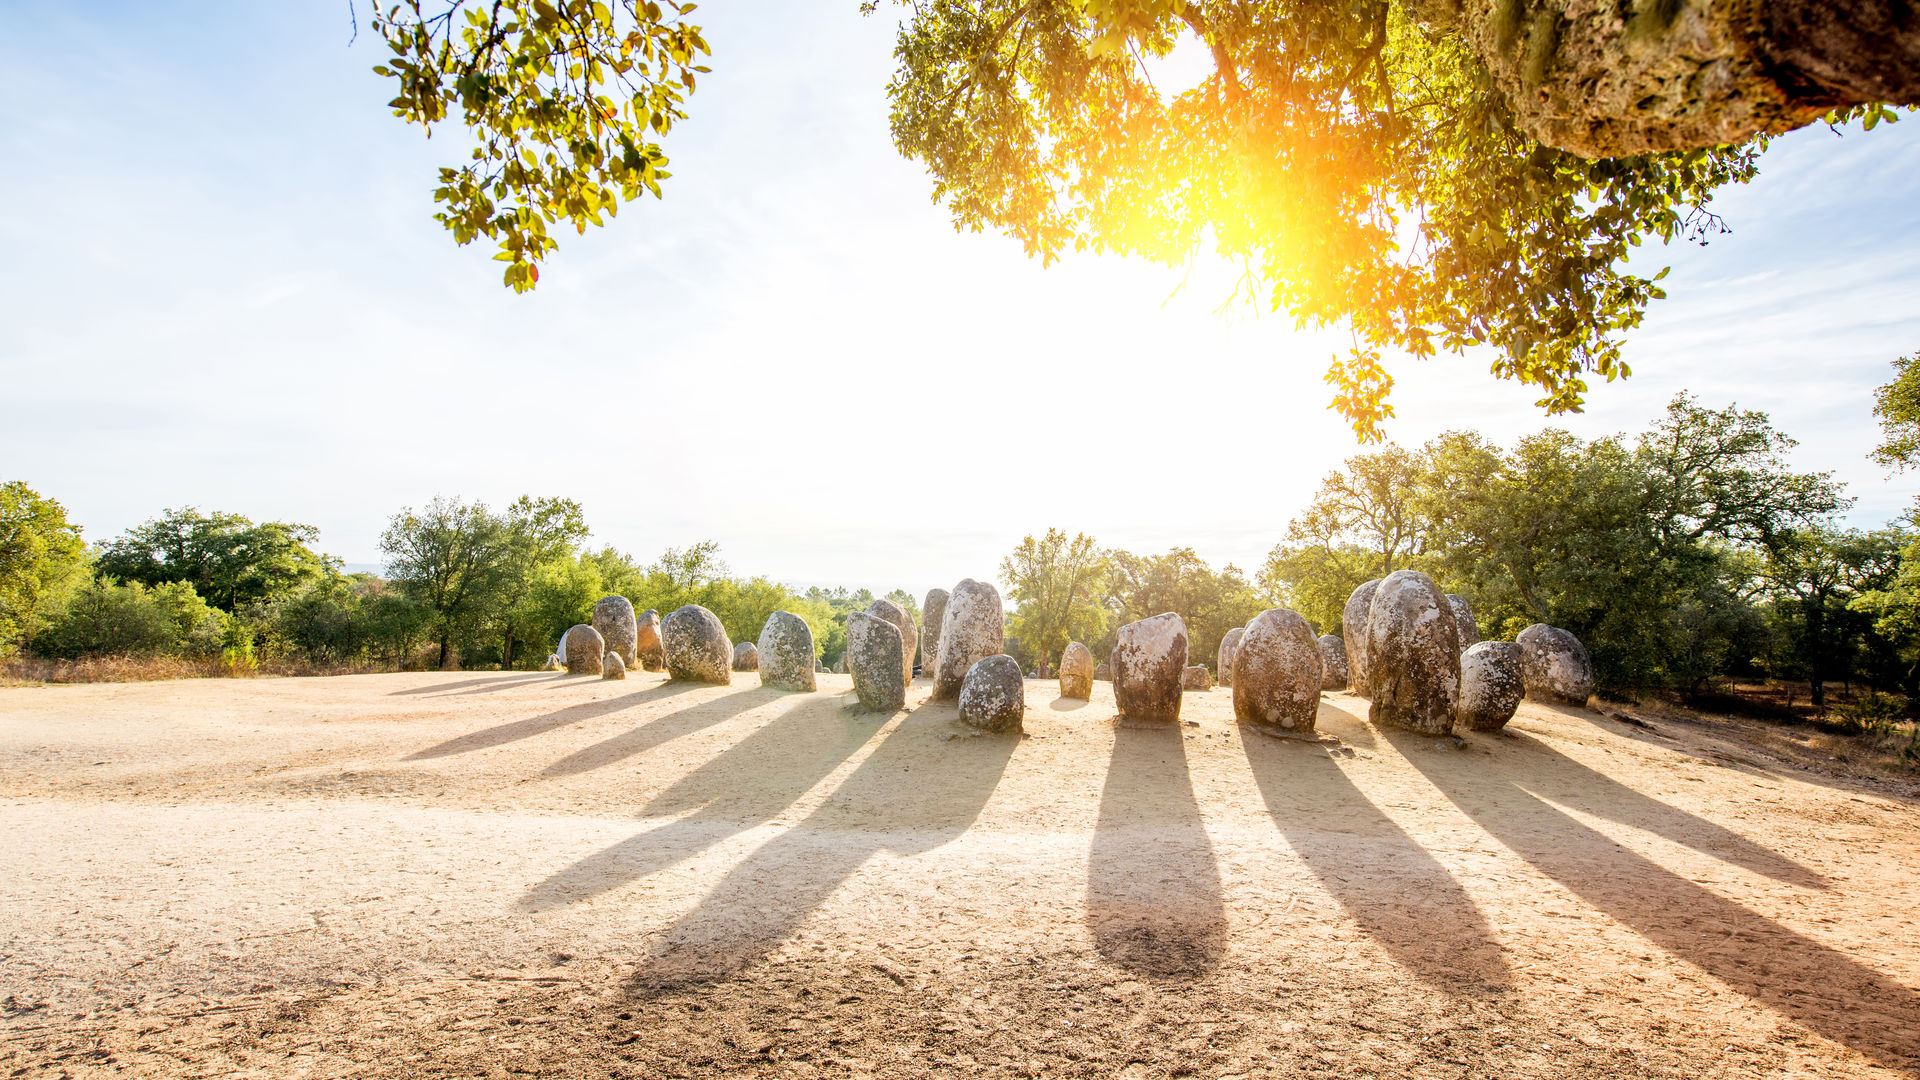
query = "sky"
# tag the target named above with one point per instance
(225, 290)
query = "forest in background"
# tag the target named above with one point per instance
(1684, 556)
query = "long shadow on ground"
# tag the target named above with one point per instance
(512, 731)
(487, 682)
(746, 785)
(1822, 988)
(1153, 887)
(661, 729)
(1386, 880)
(883, 805)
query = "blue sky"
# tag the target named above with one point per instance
(226, 290)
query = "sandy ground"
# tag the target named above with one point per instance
(528, 874)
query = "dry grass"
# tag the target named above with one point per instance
(39, 671)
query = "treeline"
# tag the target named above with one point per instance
(465, 586)
(1683, 555)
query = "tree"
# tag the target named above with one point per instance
(1372, 500)
(1523, 146)
(227, 558)
(1897, 404)
(447, 557)
(1315, 579)
(40, 553)
(1058, 589)
(1211, 603)
(1816, 574)
(536, 533)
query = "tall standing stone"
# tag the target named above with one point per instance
(582, 648)
(1555, 665)
(1413, 655)
(993, 696)
(696, 646)
(1491, 684)
(973, 628)
(612, 667)
(1463, 620)
(932, 611)
(873, 657)
(647, 645)
(1103, 673)
(613, 616)
(1148, 660)
(1224, 662)
(1277, 672)
(1333, 662)
(1076, 672)
(746, 657)
(1353, 631)
(786, 653)
(1196, 677)
(909, 633)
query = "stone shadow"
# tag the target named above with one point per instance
(494, 680)
(515, 730)
(883, 805)
(1154, 901)
(1819, 987)
(661, 729)
(1387, 881)
(1068, 704)
(748, 784)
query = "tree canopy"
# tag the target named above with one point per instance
(1430, 175)
(227, 558)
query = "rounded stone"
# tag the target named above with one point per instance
(1076, 672)
(1223, 662)
(1412, 655)
(873, 658)
(993, 696)
(1103, 673)
(972, 628)
(746, 657)
(647, 645)
(1149, 657)
(1491, 685)
(1353, 631)
(909, 633)
(932, 610)
(581, 648)
(1277, 672)
(1555, 665)
(1196, 677)
(612, 667)
(613, 616)
(696, 646)
(1333, 662)
(1463, 620)
(785, 651)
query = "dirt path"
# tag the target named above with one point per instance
(520, 874)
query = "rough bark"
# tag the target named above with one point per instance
(1609, 78)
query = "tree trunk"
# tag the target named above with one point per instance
(1610, 78)
(446, 648)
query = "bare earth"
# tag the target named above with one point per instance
(527, 874)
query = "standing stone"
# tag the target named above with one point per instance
(1555, 665)
(1149, 657)
(1196, 677)
(1277, 672)
(972, 628)
(1333, 662)
(840, 665)
(993, 696)
(1103, 673)
(612, 667)
(696, 646)
(746, 657)
(932, 611)
(647, 645)
(873, 657)
(1076, 672)
(1463, 620)
(1491, 684)
(909, 633)
(582, 647)
(1353, 630)
(1224, 661)
(1413, 655)
(786, 653)
(614, 618)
